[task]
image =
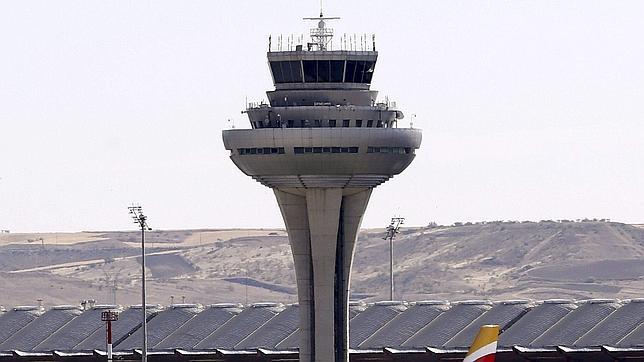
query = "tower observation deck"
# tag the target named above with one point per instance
(322, 144)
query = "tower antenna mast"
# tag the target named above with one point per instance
(321, 36)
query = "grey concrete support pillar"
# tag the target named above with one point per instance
(323, 206)
(353, 208)
(322, 225)
(294, 213)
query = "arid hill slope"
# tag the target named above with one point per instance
(498, 260)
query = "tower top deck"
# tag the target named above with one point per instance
(319, 63)
(322, 40)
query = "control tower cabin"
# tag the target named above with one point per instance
(322, 144)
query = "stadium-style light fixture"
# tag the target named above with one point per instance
(392, 230)
(137, 215)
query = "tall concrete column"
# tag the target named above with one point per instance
(294, 213)
(353, 208)
(322, 225)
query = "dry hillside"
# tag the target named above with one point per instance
(498, 260)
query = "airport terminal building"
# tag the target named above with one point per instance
(550, 330)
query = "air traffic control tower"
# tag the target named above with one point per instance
(322, 144)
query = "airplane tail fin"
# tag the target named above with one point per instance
(483, 348)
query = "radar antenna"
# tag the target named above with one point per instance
(321, 36)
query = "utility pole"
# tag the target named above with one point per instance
(392, 230)
(141, 220)
(111, 282)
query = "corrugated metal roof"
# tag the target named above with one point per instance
(74, 332)
(292, 341)
(582, 326)
(534, 323)
(633, 339)
(274, 331)
(446, 325)
(365, 324)
(16, 319)
(616, 326)
(503, 313)
(41, 328)
(576, 323)
(200, 327)
(405, 324)
(129, 321)
(240, 326)
(159, 327)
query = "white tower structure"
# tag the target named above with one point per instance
(322, 144)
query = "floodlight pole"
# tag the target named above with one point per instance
(391, 268)
(141, 220)
(144, 352)
(392, 230)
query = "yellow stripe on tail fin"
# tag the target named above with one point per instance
(484, 346)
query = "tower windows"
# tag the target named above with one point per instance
(337, 68)
(359, 71)
(322, 71)
(394, 150)
(287, 71)
(303, 150)
(317, 123)
(310, 71)
(261, 151)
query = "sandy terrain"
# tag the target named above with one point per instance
(48, 238)
(500, 260)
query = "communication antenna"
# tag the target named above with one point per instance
(392, 230)
(321, 36)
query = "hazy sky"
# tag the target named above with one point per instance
(530, 109)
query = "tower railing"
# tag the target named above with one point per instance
(347, 42)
